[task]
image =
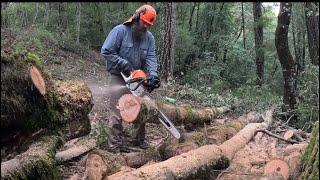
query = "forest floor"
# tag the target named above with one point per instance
(248, 163)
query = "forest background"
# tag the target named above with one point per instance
(219, 53)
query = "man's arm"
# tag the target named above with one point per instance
(151, 61)
(110, 49)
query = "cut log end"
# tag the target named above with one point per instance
(277, 166)
(129, 108)
(37, 80)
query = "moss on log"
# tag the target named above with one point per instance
(310, 158)
(147, 111)
(64, 105)
(36, 163)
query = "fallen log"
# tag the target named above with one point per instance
(36, 163)
(132, 107)
(31, 100)
(102, 163)
(216, 134)
(200, 162)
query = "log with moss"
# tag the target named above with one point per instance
(31, 99)
(33, 105)
(36, 163)
(310, 158)
(132, 108)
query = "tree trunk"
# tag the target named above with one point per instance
(191, 15)
(298, 34)
(47, 9)
(258, 39)
(132, 107)
(4, 17)
(243, 30)
(167, 41)
(197, 22)
(312, 21)
(78, 24)
(286, 60)
(36, 15)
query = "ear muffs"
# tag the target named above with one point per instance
(136, 15)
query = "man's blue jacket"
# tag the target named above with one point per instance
(120, 47)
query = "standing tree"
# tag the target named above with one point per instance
(286, 60)
(258, 39)
(298, 35)
(167, 40)
(312, 20)
(243, 31)
(78, 24)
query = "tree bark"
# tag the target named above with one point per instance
(78, 24)
(312, 21)
(191, 15)
(286, 59)
(258, 39)
(298, 34)
(243, 30)
(167, 42)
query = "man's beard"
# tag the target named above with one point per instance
(137, 32)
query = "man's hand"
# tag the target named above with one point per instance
(128, 69)
(152, 83)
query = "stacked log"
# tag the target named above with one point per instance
(200, 162)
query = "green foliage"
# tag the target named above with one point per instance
(308, 97)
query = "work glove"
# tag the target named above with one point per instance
(153, 82)
(127, 69)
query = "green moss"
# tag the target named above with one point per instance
(190, 115)
(310, 162)
(34, 59)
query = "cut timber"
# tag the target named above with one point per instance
(100, 163)
(288, 134)
(277, 166)
(87, 144)
(37, 80)
(198, 163)
(148, 111)
(129, 108)
(36, 163)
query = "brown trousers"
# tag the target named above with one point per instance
(115, 131)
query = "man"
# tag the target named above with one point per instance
(128, 47)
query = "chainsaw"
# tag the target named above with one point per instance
(135, 83)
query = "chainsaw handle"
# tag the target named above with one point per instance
(135, 80)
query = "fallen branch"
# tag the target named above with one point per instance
(276, 136)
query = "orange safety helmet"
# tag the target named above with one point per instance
(146, 13)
